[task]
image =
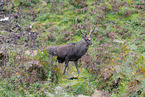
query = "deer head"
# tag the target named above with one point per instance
(86, 37)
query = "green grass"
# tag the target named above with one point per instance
(118, 51)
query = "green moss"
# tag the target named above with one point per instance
(112, 17)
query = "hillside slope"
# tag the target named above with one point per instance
(113, 67)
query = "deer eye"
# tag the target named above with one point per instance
(89, 38)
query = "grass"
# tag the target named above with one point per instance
(114, 66)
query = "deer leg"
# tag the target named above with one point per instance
(76, 64)
(66, 65)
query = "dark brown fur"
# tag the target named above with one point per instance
(70, 52)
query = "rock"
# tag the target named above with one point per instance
(59, 92)
(31, 53)
(83, 96)
(97, 94)
(5, 19)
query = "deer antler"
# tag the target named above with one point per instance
(81, 30)
(92, 30)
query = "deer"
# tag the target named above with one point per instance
(71, 51)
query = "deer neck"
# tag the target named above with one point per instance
(83, 44)
(80, 48)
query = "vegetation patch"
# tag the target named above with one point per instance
(114, 66)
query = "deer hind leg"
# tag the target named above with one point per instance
(76, 64)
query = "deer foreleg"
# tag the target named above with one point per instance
(76, 64)
(66, 65)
